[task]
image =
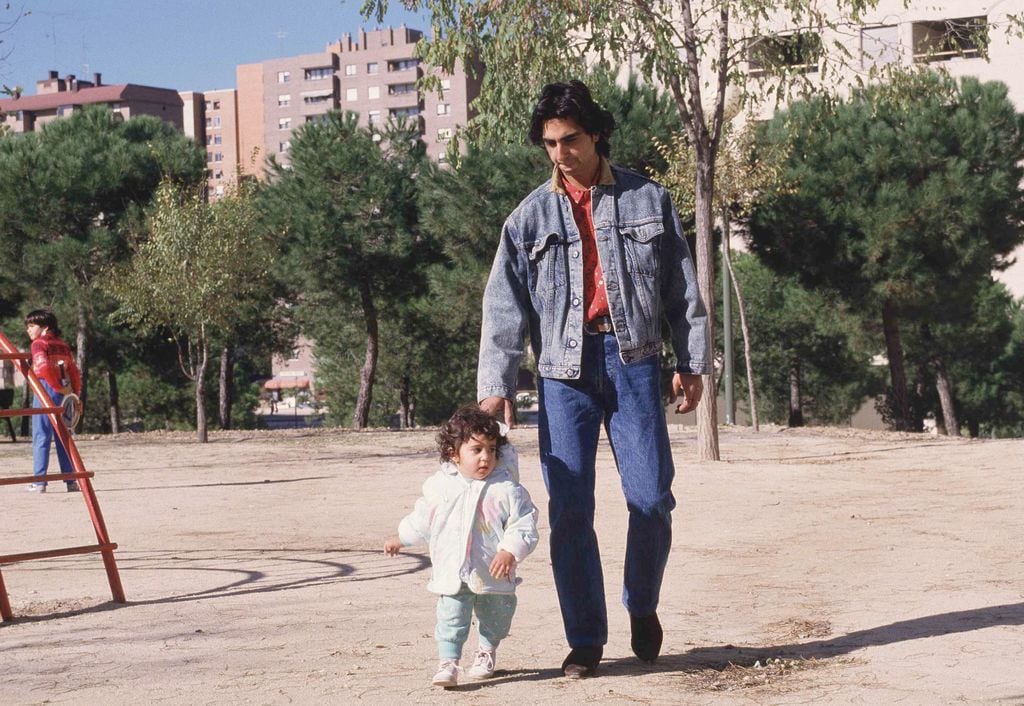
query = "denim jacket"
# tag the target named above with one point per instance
(536, 282)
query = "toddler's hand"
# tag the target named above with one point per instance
(392, 545)
(502, 564)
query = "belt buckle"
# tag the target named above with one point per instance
(602, 324)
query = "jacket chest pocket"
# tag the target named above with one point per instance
(548, 264)
(641, 242)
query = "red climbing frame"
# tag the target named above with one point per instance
(103, 544)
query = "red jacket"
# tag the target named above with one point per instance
(47, 352)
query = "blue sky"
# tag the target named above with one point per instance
(181, 44)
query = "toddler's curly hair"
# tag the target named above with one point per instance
(467, 421)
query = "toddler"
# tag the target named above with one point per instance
(479, 524)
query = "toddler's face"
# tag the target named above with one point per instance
(477, 457)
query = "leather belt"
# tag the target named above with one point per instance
(600, 324)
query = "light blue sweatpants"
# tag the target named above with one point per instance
(494, 613)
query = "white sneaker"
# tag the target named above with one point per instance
(447, 674)
(37, 488)
(483, 665)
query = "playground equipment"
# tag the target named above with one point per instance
(57, 417)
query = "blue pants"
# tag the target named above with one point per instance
(43, 435)
(494, 613)
(627, 400)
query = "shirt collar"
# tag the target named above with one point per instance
(607, 178)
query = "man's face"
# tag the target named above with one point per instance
(572, 149)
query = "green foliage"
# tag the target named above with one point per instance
(345, 212)
(810, 331)
(68, 196)
(902, 201)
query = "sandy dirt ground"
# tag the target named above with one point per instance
(811, 566)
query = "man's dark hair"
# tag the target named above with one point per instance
(468, 421)
(572, 101)
(44, 318)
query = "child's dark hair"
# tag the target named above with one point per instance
(467, 421)
(44, 318)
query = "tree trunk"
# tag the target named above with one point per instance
(26, 403)
(897, 402)
(707, 411)
(227, 386)
(202, 356)
(746, 343)
(945, 391)
(82, 358)
(115, 403)
(796, 411)
(404, 404)
(361, 415)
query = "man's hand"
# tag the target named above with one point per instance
(392, 545)
(690, 388)
(502, 564)
(501, 409)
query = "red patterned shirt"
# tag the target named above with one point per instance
(595, 296)
(47, 352)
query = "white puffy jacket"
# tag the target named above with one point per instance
(466, 522)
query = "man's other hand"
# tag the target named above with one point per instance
(690, 388)
(501, 409)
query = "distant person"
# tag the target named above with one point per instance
(54, 365)
(590, 265)
(479, 524)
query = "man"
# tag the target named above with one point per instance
(589, 264)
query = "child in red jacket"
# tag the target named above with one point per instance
(54, 365)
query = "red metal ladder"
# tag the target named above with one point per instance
(103, 544)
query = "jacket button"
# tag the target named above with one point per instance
(575, 301)
(575, 253)
(571, 372)
(572, 342)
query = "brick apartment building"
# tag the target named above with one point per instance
(57, 97)
(211, 119)
(371, 73)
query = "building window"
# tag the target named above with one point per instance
(879, 45)
(373, 92)
(403, 64)
(284, 123)
(283, 101)
(219, 174)
(352, 94)
(318, 118)
(350, 69)
(943, 40)
(65, 110)
(283, 146)
(317, 100)
(446, 84)
(218, 139)
(213, 122)
(401, 89)
(284, 76)
(780, 53)
(319, 72)
(405, 112)
(372, 67)
(373, 117)
(209, 156)
(208, 105)
(444, 108)
(219, 190)
(218, 157)
(209, 139)
(444, 134)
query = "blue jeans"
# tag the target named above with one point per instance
(43, 435)
(494, 613)
(626, 399)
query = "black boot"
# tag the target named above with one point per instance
(647, 636)
(582, 662)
